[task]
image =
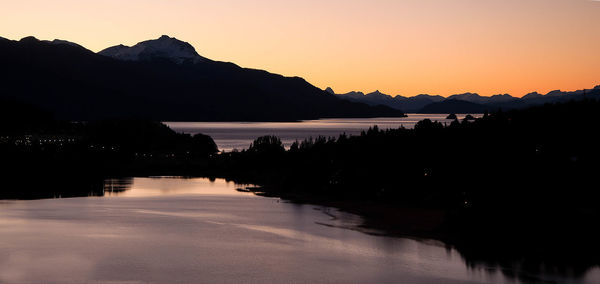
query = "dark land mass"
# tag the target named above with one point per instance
(77, 84)
(462, 106)
(406, 104)
(511, 190)
(455, 106)
(43, 158)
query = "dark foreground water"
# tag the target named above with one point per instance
(173, 230)
(239, 135)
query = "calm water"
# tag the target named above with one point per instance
(174, 230)
(239, 135)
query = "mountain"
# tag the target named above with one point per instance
(533, 95)
(476, 98)
(469, 97)
(164, 47)
(377, 98)
(373, 99)
(455, 106)
(163, 79)
(413, 104)
(501, 98)
(60, 41)
(407, 104)
(473, 102)
(534, 99)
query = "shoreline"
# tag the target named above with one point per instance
(434, 225)
(438, 226)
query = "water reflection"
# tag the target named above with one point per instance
(239, 135)
(116, 186)
(172, 229)
(479, 260)
(165, 186)
(528, 271)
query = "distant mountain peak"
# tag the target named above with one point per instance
(555, 93)
(353, 93)
(500, 98)
(65, 42)
(532, 95)
(378, 93)
(465, 95)
(330, 90)
(29, 39)
(428, 96)
(165, 47)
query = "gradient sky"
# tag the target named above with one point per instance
(405, 47)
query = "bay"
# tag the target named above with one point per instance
(197, 230)
(239, 135)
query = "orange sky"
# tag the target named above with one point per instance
(405, 47)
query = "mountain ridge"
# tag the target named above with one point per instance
(494, 102)
(77, 84)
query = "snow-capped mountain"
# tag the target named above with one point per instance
(164, 47)
(78, 84)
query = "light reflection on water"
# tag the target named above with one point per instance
(239, 135)
(161, 186)
(197, 230)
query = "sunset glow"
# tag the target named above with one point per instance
(405, 47)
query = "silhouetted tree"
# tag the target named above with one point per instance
(267, 144)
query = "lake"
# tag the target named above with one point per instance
(196, 230)
(239, 135)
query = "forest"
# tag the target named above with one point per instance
(511, 186)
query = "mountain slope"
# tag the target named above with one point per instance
(467, 102)
(407, 104)
(455, 106)
(77, 84)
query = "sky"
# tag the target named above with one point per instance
(399, 47)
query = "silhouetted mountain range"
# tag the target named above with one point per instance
(467, 102)
(163, 79)
(407, 104)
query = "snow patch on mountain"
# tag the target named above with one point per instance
(164, 47)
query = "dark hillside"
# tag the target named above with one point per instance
(77, 84)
